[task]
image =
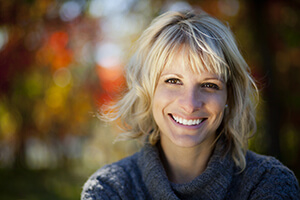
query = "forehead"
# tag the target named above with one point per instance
(178, 64)
(182, 69)
(184, 61)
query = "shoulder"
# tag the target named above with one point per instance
(112, 181)
(270, 178)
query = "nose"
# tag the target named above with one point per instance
(191, 100)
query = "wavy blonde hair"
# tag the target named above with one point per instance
(210, 46)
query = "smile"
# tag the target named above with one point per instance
(187, 122)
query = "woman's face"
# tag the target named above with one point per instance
(188, 107)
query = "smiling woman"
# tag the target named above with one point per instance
(190, 100)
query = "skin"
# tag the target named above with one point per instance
(182, 93)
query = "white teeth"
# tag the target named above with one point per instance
(187, 122)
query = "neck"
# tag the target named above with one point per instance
(182, 164)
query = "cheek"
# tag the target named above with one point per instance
(162, 96)
(161, 100)
(217, 104)
(158, 100)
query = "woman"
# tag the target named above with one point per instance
(190, 99)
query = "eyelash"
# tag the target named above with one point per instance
(210, 85)
(175, 81)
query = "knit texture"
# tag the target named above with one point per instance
(142, 176)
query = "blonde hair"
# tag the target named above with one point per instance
(209, 46)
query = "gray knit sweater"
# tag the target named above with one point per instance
(142, 176)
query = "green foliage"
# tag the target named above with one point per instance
(40, 184)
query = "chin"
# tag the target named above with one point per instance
(187, 141)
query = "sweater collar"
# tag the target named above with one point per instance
(213, 183)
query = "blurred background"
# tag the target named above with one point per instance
(60, 60)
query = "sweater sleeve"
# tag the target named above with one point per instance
(101, 185)
(110, 182)
(277, 182)
(93, 189)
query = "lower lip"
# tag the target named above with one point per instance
(187, 126)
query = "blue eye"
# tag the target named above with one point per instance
(174, 81)
(210, 85)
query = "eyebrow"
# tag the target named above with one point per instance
(167, 74)
(213, 78)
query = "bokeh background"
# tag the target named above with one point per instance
(60, 60)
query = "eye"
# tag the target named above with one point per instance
(174, 81)
(210, 85)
